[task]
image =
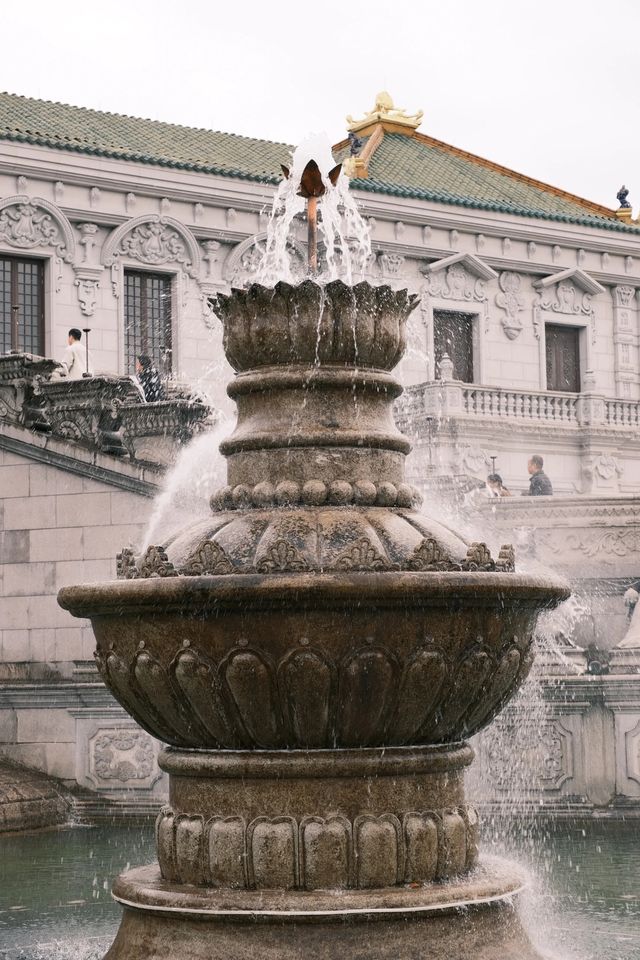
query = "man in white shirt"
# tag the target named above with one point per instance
(75, 357)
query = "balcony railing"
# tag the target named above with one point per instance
(524, 405)
(622, 413)
(440, 400)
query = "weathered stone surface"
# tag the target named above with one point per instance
(348, 660)
(30, 800)
(382, 817)
(317, 619)
(469, 919)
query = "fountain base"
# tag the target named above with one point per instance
(473, 918)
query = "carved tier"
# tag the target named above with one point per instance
(311, 660)
(315, 609)
(313, 388)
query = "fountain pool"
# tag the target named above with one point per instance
(55, 901)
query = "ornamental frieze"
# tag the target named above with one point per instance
(27, 224)
(153, 240)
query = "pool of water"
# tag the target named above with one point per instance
(55, 902)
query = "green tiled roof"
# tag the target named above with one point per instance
(415, 167)
(64, 127)
(424, 169)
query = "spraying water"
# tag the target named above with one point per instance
(199, 470)
(343, 231)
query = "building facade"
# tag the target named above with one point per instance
(526, 340)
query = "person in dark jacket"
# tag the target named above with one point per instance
(539, 484)
(149, 379)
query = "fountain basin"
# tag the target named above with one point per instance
(308, 660)
(470, 919)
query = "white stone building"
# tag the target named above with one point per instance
(127, 227)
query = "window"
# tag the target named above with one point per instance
(563, 358)
(147, 319)
(453, 335)
(21, 305)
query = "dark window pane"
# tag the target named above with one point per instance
(21, 299)
(563, 358)
(453, 335)
(147, 318)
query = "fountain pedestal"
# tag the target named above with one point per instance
(368, 852)
(316, 655)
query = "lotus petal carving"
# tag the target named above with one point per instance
(307, 324)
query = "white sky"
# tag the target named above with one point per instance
(547, 87)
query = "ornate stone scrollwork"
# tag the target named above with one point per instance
(154, 563)
(624, 296)
(456, 283)
(126, 567)
(569, 292)
(243, 262)
(27, 223)
(155, 240)
(279, 557)
(390, 264)
(607, 467)
(511, 302)
(208, 558)
(87, 288)
(361, 555)
(122, 754)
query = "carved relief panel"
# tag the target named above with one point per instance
(511, 302)
(154, 241)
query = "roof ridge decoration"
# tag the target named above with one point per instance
(394, 119)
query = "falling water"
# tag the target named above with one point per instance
(199, 470)
(343, 231)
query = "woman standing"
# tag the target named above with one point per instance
(149, 379)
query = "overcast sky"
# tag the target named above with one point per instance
(547, 87)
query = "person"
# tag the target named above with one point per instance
(496, 487)
(75, 360)
(149, 379)
(539, 484)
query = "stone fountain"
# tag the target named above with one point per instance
(314, 656)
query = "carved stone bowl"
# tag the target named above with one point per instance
(314, 660)
(313, 324)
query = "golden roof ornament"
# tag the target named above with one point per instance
(395, 119)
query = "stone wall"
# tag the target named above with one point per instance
(67, 508)
(56, 528)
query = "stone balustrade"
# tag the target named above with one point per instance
(591, 443)
(622, 413)
(530, 405)
(443, 399)
(107, 413)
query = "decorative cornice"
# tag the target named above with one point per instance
(574, 275)
(469, 261)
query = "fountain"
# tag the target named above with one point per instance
(314, 655)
